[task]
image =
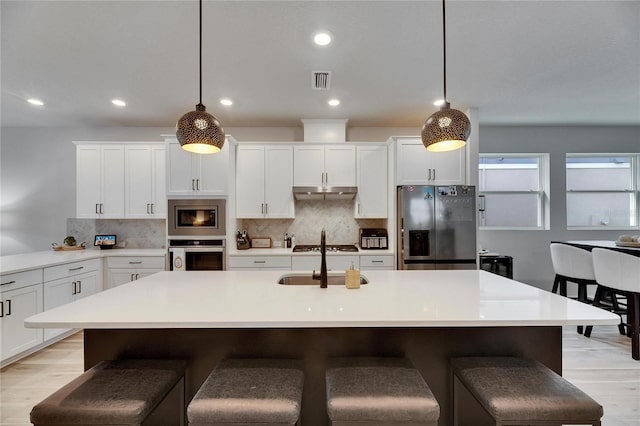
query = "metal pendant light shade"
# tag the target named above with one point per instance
(198, 131)
(447, 129)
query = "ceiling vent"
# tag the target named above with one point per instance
(321, 80)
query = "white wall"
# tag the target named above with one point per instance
(530, 249)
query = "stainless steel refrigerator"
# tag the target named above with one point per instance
(436, 227)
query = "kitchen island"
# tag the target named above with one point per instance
(426, 316)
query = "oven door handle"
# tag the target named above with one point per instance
(216, 249)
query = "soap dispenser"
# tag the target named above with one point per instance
(352, 277)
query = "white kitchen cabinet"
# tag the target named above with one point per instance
(145, 190)
(121, 270)
(371, 170)
(376, 262)
(417, 166)
(334, 263)
(324, 165)
(264, 178)
(252, 263)
(69, 282)
(20, 298)
(100, 181)
(196, 174)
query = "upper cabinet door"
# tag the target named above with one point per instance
(340, 165)
(180, 180)
(100, 181)
(212, 176)
(417, 166)
(324, 165)
(197, 174)
(371, 200)
(308, 169)
(145, 194)
(139, 181)
(250, 181)
(112, 181)
(88, 181)
(278, 181)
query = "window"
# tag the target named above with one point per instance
(602, 191)
(512, 191)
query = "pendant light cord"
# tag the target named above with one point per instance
(200, 52)
(444, 52)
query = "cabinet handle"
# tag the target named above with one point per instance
(434, 174)
(1, 309)
(152, 212)
(137, 276)
(97, 212)
(79, 287)
(76, 269)
(101, 210)
(147, 208)
(8, 302)
(8, 282)
(193, 184)
(198, 184)
(135, 263)
(259, 261)
(75, 289)
(266, 208)
(377, 261)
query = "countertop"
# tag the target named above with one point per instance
(253, 299)
(42, 259)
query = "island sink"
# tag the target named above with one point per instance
(307, 279)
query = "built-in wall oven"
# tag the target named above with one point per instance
(196, 234)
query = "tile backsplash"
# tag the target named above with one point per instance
(336, 217)
(136, 233)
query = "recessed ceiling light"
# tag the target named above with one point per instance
(322, 38)
(439, 102)
(334, 102)
(34, 101)
(226, 102)
(118, 102)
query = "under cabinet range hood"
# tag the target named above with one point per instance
(324, 192)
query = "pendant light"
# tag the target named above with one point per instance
(198, 131)
(447, 129)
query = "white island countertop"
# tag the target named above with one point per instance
(253, 299)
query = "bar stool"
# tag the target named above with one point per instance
(572, 264)
(619, 273)
(520, 391)
(378, 391)
(249, 392)
(124, 393)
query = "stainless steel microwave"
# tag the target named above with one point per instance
(200, 218)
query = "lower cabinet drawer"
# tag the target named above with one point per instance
(20, 279)
(152, 262)
(258, 262)
(376, 262)
(68, 269)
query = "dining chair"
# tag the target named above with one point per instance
(619, 273)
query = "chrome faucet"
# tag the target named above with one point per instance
(323, 263)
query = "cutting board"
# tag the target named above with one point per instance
(66, 248)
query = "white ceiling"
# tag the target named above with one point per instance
(517, 62)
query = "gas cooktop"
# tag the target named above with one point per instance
(330, 248)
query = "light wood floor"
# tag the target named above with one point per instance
(601, 366)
